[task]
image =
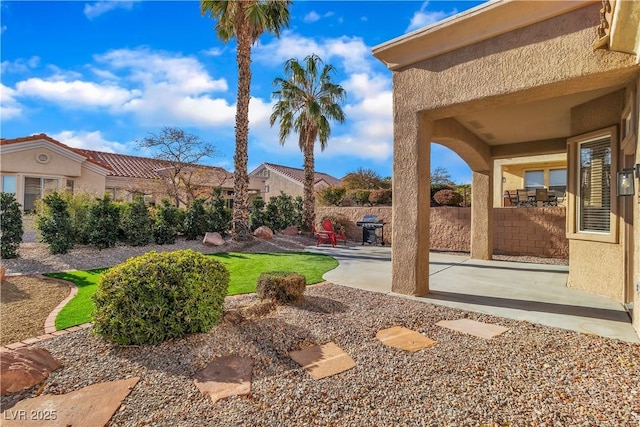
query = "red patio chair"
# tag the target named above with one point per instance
(337, 236)
(323, 236)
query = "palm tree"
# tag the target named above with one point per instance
(307, 101)
(245, 20)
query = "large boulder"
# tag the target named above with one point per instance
(263, 232)
(213, 239)
(292, 230)
(25, 367)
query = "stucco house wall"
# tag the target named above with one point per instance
(278, 183)
(587, 258)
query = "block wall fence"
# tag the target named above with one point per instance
(517, 231)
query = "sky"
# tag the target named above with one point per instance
(103, 75)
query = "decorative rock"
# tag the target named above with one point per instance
(263, 232)
(403, 338)
(322, 361)
(291, 231)
(213, 239)
(90, 406)
(225, 376)
(25, 367)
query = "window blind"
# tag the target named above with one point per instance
(595, 185)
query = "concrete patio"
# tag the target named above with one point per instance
(536, 293)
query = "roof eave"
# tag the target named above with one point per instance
(480, 23)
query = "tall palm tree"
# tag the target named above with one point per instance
(246, 21)
(307, 101)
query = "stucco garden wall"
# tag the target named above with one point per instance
(517, 231)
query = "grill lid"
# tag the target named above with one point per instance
(370, 218)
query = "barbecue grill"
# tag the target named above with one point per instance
(370, 225)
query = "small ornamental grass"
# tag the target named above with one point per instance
(281, 286)
(159, 296)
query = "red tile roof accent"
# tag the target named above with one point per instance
(298, 175)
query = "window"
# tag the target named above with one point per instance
(534, 179)
(9, 184)
(592, 208)
(71, 185)
(37, 188)
(266, 188)
(558, 180)
(594, 197)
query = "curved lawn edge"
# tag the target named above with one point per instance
(245, 268)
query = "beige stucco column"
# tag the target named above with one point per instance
(481, 215)
(411, 203)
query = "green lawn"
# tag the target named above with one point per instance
(244, 270)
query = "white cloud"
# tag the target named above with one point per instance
(9, 106)
(351, 52)
(20, 65)
(214, 51)
(423, 17)
(311, 17)
(93, 10)
(184, 75)
(76, 92)
(89, 141)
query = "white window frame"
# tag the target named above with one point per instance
(15, 184)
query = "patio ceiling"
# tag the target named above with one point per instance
(535, 121)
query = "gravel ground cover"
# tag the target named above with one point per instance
(26, 302)
(530, 375)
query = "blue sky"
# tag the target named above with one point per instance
(102, 75)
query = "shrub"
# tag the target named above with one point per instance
(448, 198)
(380, 196)
(360, 197)
(283, 211)
(104, 221)
(79, 207)
(195, 221)
(437, 187)
(164, 228)
(11, 229)
(159, 296)
(281, 286)
(218, 215)
(54, 223)
(332, 196)
(136, 222)
(258, 216)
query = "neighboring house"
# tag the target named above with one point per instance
(511, 79)
(272, 179)
(530, 172)
(37, 165)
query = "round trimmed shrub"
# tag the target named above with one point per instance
(281, 286)
(448, 198)
(159, 296)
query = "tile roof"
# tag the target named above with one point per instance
(298, 174)
(119, 164)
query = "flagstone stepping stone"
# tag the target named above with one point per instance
(322, 361)
(88, 407)
(225, 376)
(472, 327)
(404, 339)
(25, 367)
